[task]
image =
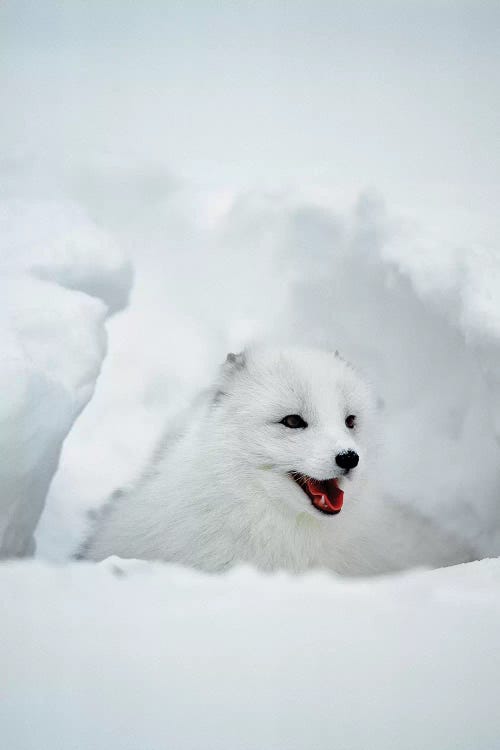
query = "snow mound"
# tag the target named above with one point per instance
(419, 314)
(60, 277)
(415, 311)
(136, 655)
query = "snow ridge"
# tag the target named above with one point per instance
(60, 278)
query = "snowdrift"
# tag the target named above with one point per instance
(60, 277)
(133, 655)
(415, 311)
(232, 168)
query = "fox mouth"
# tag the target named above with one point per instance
(324, 494)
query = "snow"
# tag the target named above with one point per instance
(60, 279)
(284, 242)
(135, 655)
(295, 268)
(326, 174)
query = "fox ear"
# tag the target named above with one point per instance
(235, 361)
(338, 355)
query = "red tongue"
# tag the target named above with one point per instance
(326, 495)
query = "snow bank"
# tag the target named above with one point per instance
(276, 124)
(233, 169)
(417, 312)
(131, 655)
(60, 277)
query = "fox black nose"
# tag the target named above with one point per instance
(347, 460)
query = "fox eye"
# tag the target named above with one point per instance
(350, 421)
(294, 421)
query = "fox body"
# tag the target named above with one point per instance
(272, 466)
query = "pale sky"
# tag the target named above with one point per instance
(400, 96)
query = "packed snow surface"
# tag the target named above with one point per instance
(133, 655)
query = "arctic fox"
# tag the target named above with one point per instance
(270, 467)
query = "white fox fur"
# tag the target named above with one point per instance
(218, 490)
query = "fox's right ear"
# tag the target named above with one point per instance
(235, 361)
